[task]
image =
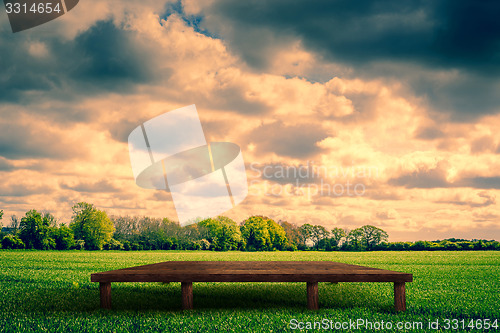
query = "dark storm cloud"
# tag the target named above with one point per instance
(20, 71)
(484, 217)
(19, 141)
(122, 129)
(448, 33)
(292, 141)
(482, 145)
(486, 200)
(436, 178)
(230, 98)
(429, 133)
(5, 164)
(106, 55)
(481, 182)
(100, 59)
(21, 190)
(466, 93)
(102, 186)
(443, 35)
(431, 178)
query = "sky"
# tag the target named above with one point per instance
(389, 109)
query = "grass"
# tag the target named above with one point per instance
(51, 291)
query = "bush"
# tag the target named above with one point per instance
(126, 245)
(79, 244)
(171, 244)
(302, 247)
(12, 242)
(135, 246)
(113, 244)
(35, 230)
(64, 238)
(192, 245)
(204, 244)
(48, 244)
(449, 246)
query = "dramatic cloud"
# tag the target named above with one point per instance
(102, 186)
(34, 139)
(6, 165)
(288, 141)
(447, 50)
(399, 100)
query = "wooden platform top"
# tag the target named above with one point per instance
(251, 271)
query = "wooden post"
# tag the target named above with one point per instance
(105, 290)
(187, 295)
(312, 296)
(399, 296)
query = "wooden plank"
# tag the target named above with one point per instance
(248, 265)
(251, 271)
(105, 293)
(399, 296)
(247, 277)
(187, 295)
(312, 296)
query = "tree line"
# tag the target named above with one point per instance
(93, 229)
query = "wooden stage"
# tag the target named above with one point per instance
(310, 272)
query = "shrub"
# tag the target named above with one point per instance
(79, 244)
(64, 238)
(12, 242)
(192, 245)
(302, 247)
(126, 245)
(135, 246)
(113, 244)
(204, 244)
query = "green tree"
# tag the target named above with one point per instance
(318, 233)
(14, 224)
(263, 234)
(421, 245)
(64, 237)
(372, 236)
(91, 225)
(12, 242)
(113, 244)
(355, 240)
(222, 233)
(150, 234)
(292, 234)
(35, 230)
(306, 232)
(277, 235)
(337, 236)
(256, 234)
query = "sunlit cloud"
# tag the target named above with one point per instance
(288, 93)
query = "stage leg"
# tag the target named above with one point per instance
(187, 295)
(312, 296)
(105, 290)
(399, 296)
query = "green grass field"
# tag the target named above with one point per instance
(51, 292)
